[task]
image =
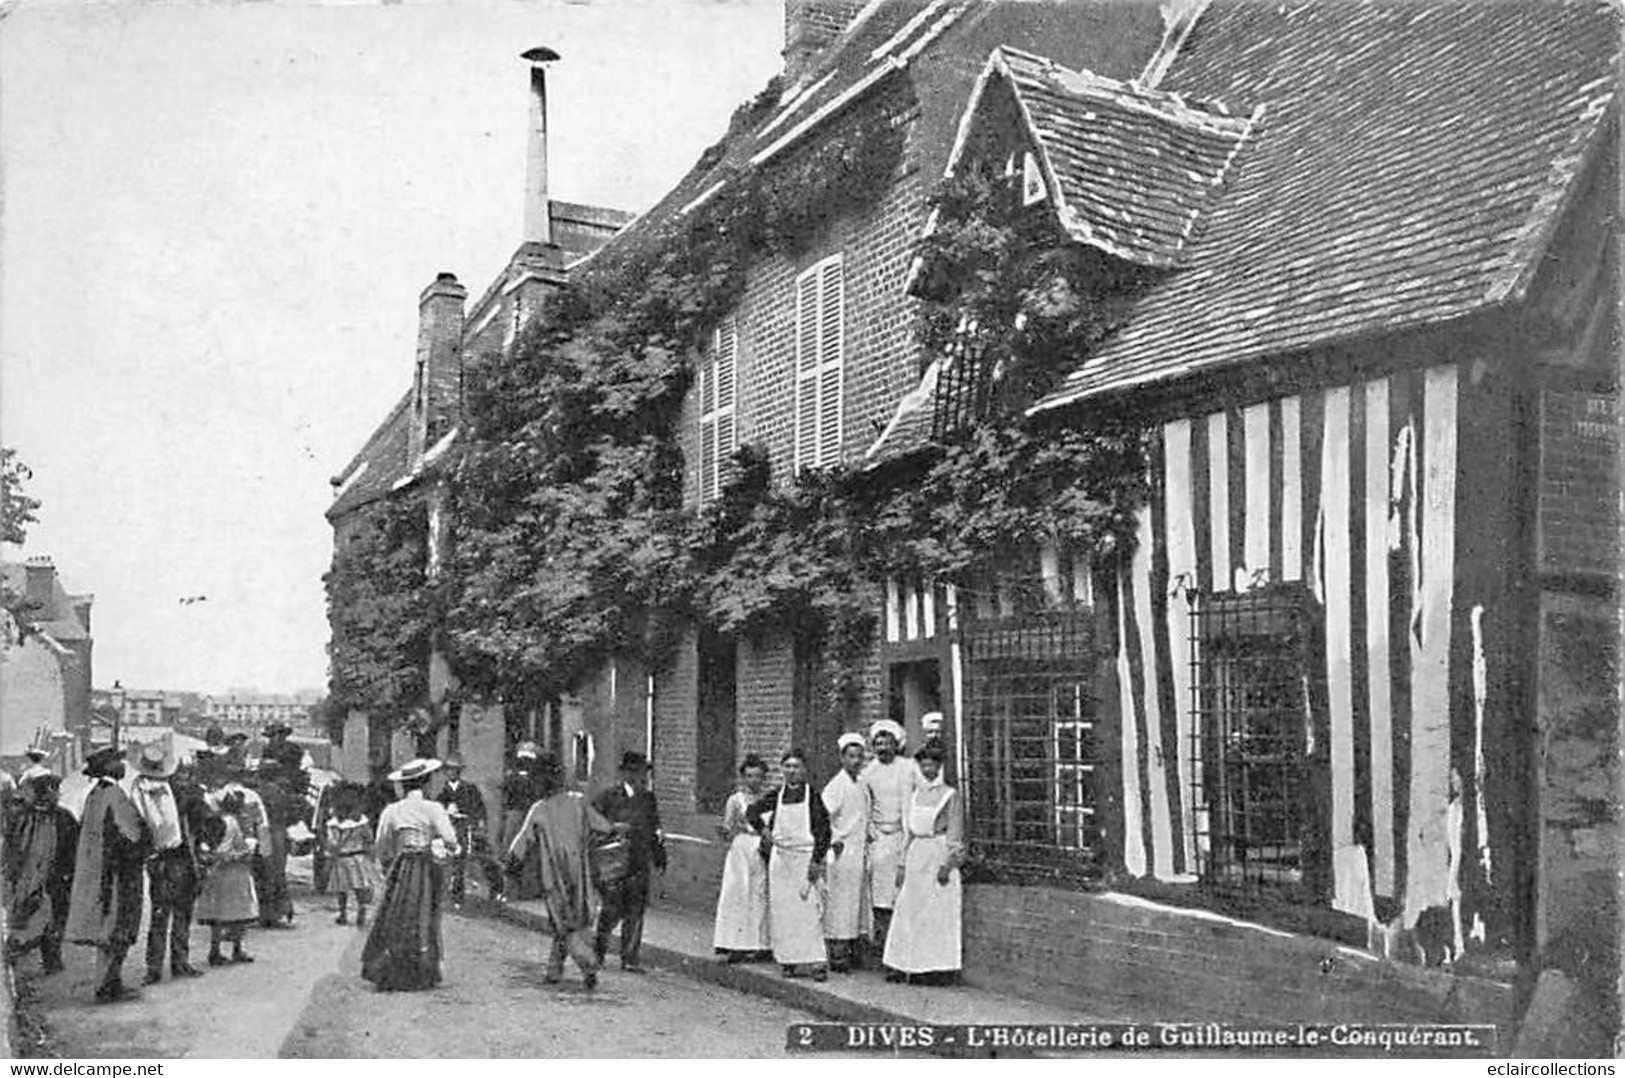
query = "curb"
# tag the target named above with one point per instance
(799, 993)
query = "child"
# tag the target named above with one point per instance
(227, 902)
(349, 851)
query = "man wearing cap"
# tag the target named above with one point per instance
(630, 801)
(890, 779)
(39, 855)
(847, 913)
(172, 870)
(520, 790)
(36, 768)
(465, 804)
(104, 910)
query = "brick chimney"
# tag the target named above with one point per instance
(437, 383)
(81, 608)
(538, 209)
(38, 585)
(810, 27)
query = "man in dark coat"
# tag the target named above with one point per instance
(271, 864)
(466, 805)
(104, 910)
(631, 801)
(521, 788)
(39, 855)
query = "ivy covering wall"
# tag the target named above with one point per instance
(570, 542)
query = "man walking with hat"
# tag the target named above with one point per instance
(172, 870)
(104, 910)
(281, 782)
(630, 801)
(521, 788)
(39, 854)
(465, 804)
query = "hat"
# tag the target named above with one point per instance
(453, 760)
(634, 761)
(413, 770)
(850, 738)
(886, 726)
(215, 735)
(527, 748)
(237, 738)
(49, 778)
(96, 763)
(931, 723)
(275, 728)
(36, 754)
(154, 762)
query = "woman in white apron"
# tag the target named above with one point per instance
(848, 918)
(795, 870)
(924, 940)
(741, 929)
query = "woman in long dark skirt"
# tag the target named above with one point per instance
(415, 839)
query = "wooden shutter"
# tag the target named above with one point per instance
(719, 379)
(806, 437)
(819, 370)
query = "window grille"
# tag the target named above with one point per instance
(1253, 732)
(1034, 761)
(965, 383)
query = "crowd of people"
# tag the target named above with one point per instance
(867, 867)
(164, 846)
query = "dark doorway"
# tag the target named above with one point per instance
(915, 688)
(716, 717)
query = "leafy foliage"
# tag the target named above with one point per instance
(382, 611)
(17, 509)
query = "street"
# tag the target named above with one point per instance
(304, 998)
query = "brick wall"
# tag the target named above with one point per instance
(1580, 771)
(1579, 483)
(676, 689)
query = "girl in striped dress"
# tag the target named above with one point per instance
(349, 853)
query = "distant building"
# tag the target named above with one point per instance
(251, 712)
(45, 659)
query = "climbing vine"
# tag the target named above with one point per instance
(382, 611)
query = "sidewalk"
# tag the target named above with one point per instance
(680, 940)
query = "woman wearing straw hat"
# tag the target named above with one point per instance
(415, 839)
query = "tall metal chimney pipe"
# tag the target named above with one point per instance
(538, 215)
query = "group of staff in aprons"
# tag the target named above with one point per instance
(871, 863)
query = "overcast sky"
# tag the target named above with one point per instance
(216, 220)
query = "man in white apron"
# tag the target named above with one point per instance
(846, 910)
(890, 780)
(800, 833)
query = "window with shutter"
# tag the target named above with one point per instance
(719, 379)
(819, 345)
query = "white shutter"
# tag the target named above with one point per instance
(830, 347)
(806, 426)
(719, 379)
(726, 377)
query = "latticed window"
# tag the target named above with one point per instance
(1253, 731)
(718, 388)
(965, 384)
(1033, 755)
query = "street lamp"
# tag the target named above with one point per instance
(115, 697)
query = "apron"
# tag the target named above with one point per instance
(924, 933)
(795, 909)
(742, 905)
(884, 855)
(847, 912)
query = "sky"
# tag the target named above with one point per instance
(215, 220)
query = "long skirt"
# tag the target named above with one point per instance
(271, 877)
(227, 896)
(403, 949)
(885, 853)
(742, 905)
(847, 913)
(354, 872)
(795, 910)
(924, 933)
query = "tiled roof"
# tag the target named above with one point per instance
(1132, 168)
(1410, 165)
(383, 460)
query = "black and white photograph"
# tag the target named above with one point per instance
(814, 530)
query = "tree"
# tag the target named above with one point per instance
(17, 509)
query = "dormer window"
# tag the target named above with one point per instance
(1033, 190)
